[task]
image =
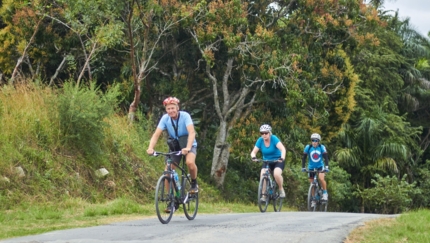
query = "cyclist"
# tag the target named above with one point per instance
(317, 152)
(272, 149)
(178, 123)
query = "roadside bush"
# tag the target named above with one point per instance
(389, 195)
(81, 112)
(422, 199)
(340, 188)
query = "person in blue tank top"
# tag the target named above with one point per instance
(178, 123)
(318, 159)
(271, 149)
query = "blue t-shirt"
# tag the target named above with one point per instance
(271, 152)
(315, 156)
(184, 121)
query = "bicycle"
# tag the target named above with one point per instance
(168, 198)
(268, 188)
(315, 187)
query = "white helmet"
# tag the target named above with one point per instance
(265, 128)
(316, 136)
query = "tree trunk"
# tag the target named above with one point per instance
(24, 53)
(87, 63)
(220, 155)
(229, 110)
(57, 71)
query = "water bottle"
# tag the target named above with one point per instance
(176, 177)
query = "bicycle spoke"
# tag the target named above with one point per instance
(310, 198)
(190, 201)
(164, 201)
(277, 201)
(263, 193)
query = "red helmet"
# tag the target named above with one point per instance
(171, 100)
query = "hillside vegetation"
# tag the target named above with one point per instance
(53, 142)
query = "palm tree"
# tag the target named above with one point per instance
(379, 143)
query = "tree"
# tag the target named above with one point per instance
(95, 25)
(147, 24)
(240, 56)
(380, 142)
(18, 36)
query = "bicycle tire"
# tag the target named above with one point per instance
(164, 200)
(263, 205)
(277, 201)
(323, 205)
(311, 209)
(190, 201)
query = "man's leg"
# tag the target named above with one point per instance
(323, 186)
(190, 160)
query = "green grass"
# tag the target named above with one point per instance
(409, 227)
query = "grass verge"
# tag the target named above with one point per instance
(408, 227)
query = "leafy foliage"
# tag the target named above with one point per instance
(345, 69)
(389, 195)
(81, 113)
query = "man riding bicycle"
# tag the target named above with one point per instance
(317, 152)
(178, 123)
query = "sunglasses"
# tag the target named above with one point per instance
(315, 140)
(264, 133)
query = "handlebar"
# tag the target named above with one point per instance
(156, 153)
(265, 161)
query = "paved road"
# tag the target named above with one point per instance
(295, 227)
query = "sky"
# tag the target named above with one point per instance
(417, 10)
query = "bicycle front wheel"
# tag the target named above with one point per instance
(277, 201)
(263, 196)
(190, 200)
(164, 199)
(323, 205)
(311, 188)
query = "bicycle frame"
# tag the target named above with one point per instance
(315, 193)
(268, 188)
(168, 193)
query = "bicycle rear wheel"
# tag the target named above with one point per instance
(164, 200)
(277, 201)
(310, 208)
(263, 204)
(190, 201)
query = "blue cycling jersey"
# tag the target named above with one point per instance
(271, 152)
(315, 159)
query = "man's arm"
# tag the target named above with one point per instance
(191, 137)
(325, 156)
(154, 140)
(304, 159)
